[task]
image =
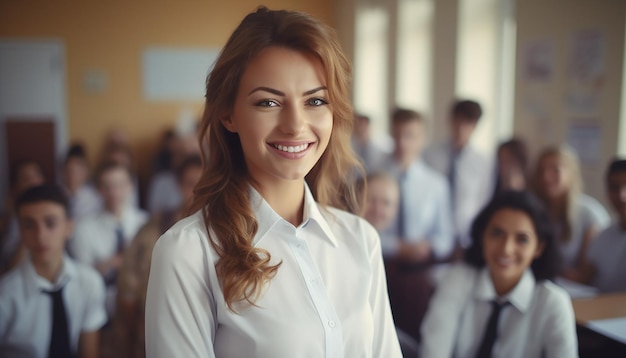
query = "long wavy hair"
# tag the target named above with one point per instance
(223, 191)
(568, 157)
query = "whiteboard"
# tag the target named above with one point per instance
(174, 74)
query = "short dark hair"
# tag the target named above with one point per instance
(403, 115)
(616, 166)
(44, 192)
(109, 166)
(190, 161)
(548, 264)
(467, 110)
(76, 150)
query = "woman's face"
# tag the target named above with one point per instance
(510, 171)
(282, 115)
(555, 178)
(510, 245)
(381, 203)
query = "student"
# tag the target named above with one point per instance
(371, 155)
(133, 276)
(380, 208)
(51, 306)
(84, 198)
(422, 230)
(24, 175)
(469, 172)
(266, 267)
(576, 217)
(607, 253)
(100, 240)
(500, 302)
(511, 166)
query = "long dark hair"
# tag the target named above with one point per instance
(547, 265)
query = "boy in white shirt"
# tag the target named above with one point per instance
(423, 229)
(51, 306)
(100, 240)
(606, 258)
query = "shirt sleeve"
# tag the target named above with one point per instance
(440, 325)
(594, 214)
(560, 332)
(180, 308)
(386, 342)
(96, 315)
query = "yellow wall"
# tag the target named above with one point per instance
(110, 36)
(541, 115)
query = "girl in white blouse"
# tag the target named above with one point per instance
(266, 267)
(500, 302)
(577, 218)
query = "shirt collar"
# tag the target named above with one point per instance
(520, 297)
(267, 218)
(36, 283)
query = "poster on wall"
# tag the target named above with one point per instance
(585, 138)
(585, 72)
(538, 64)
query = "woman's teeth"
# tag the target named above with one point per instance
(291, 149)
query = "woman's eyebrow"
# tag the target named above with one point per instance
(282, 94)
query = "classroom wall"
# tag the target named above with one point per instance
(109, 36)
(548, 109)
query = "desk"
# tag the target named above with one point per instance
(600, 325)
(600, 307)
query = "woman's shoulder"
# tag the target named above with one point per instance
(348, 225)
(186, 239)
(588, 206)
(550, 294)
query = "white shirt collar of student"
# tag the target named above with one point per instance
(520, 297)
(267, 218)
(36, 283)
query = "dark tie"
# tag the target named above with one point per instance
(119, 239)
(401, 211)
(452, 176)
(491, 332)
(60, 338)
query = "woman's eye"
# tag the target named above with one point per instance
(522, 239)
(267, 103)
(316, 102)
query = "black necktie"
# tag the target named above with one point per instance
(119, 239)
(452, 176)
(401, 212)
(491, 332)
(60, 337)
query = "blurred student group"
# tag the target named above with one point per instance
(423, 202)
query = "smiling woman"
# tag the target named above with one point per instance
(269, 265)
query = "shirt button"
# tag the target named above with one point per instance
(331, 324)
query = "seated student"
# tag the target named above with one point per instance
(607, 254)
(500, 302)
(381, 203)
(424, 220)
(24, 175)
(84, 198)
(100, 240)
(51, 306)
(576, 217)
(133, 277)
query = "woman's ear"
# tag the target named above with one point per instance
(228, 123)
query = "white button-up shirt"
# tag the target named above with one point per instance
(426, 209)
(95, 237)
(473, 180)
(328, 299)
(608, 255)
(539, 322)
(26, 311)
